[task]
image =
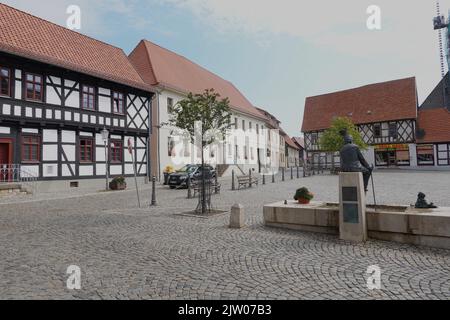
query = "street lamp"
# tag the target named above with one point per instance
(105, 136)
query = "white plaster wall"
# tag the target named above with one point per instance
(66, 171)
(100, 168)
(164, 134)
(68, 136)
(69, 150)
(18, 88)
(5, 130)
(72, 100)
(86, 170)
(100, 154)
(115, 169)
(104, 104)
(50, 170)
(50, 135)
(50, 152)
(51, 95)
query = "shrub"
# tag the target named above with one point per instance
(118, 180)
(303, 193)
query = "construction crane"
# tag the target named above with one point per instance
(439, 23)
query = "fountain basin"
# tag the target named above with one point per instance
(404, 224)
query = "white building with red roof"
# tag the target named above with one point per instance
(175, 76)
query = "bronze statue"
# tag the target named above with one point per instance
(421, 203)
(352, 159)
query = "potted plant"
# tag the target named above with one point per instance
(167, 171)
(118, 183)
(303, 195)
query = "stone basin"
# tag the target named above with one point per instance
(405, 224)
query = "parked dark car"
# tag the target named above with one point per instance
(180, 177)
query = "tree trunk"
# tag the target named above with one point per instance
(203, 181)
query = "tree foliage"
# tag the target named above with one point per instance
(332, 139)
(209, 109)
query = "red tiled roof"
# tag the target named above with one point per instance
(299, 141)
(436, 125)
(34, 38)
(159, 66)
(271, 120)
(386, 101)
(290, 142)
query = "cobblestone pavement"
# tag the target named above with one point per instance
(155, 253)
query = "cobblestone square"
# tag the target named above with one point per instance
(155, 253)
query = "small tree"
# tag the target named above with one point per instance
(214, 115)
(332, 139)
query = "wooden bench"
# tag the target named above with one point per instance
(196, 186)
(244, 181)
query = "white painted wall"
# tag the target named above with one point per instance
(192, 156)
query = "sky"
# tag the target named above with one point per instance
(276, 52)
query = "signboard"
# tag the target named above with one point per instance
(404, 147)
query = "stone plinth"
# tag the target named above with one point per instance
(237, 217)
(315, 217)
(352, 207)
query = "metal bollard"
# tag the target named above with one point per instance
(216, 186)
(292, 173)
(249, 178)
(263, 179)
(153, 191)
(298, 173)
(232, 180)
(273, 177)
(282, 174)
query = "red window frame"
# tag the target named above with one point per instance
(118, 101)
(116, 151)
(28, 143)
(86, 150)
(8, 80)
(87, 97)
(34, 84)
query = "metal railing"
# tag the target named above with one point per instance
(15, 173)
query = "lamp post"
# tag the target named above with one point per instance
(105, 136)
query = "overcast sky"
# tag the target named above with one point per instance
(276, 52)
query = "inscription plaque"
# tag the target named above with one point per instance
(351, 213)
(350, 194)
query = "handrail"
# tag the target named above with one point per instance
(15, 173)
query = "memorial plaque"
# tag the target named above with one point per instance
(350, 194)
(351, 212)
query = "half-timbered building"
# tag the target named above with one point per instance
(385, 114)
(433, 134)
(58, 90)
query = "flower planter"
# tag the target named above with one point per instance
(303, 201)
(117, 184)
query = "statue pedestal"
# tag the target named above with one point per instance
(352, 207)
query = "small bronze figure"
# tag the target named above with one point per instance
(352, 159)
(421, 203)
